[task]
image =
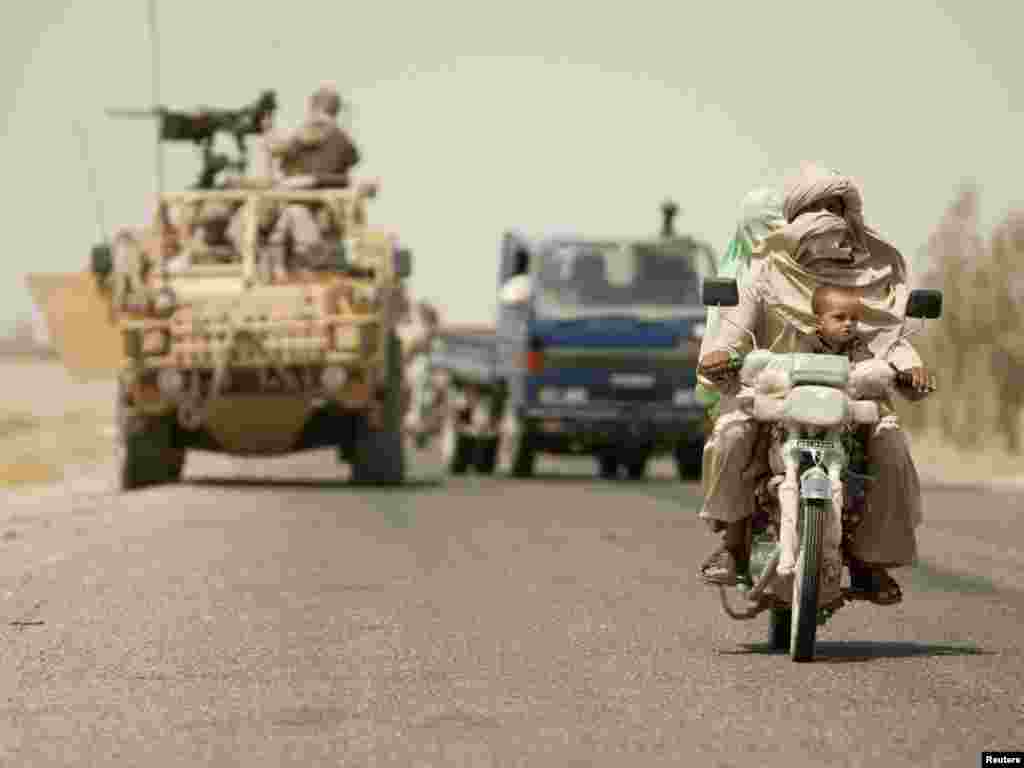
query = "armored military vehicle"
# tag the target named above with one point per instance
(210, 353)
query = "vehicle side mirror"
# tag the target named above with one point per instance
(720, 291)
(403, 263)
(516, 291)
(924, 304)
(101, 260)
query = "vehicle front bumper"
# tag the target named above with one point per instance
(587, 427)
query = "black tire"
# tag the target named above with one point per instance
(516, 453)
(608, 467)
(378, 455)
(149, 451)
(780, 628)
(806, 583)
(457, 449)
(637, 470)
(689, 458)
(485, 457)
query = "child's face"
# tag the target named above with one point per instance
(838, 322)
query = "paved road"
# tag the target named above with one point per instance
(265, 614)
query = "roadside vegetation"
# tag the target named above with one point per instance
(974, 422)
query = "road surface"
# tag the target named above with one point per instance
(263, 613)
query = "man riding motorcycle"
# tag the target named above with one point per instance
(824, 241)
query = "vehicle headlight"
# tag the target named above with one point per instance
(347, 336)
(156, 342)
(170, 382)
(697, 330)
(334, 378)
(549, 394)
(684, 397)
(575, 395)
(569, 395)
(165, 302)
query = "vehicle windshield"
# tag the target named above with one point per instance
(646, 279)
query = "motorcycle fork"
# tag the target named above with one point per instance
(798, 461)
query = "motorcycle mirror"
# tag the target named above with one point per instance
(720, 292)
(924, 304)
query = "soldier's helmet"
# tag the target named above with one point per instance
(326, 99)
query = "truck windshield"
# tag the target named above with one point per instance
(649, 279)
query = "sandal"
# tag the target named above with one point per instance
(874, 584)
(720, 570)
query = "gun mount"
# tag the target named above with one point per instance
(201, 127)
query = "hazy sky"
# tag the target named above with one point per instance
(479, 116)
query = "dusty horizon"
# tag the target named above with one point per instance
(529, 119)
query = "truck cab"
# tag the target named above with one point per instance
(597, 346)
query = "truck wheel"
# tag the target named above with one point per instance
(147, 449)
(780, 628)
(378, 456)
(486, 455)
(608, 467)
(516, 453)
(456, 448)
(689, 458)
(637, 470)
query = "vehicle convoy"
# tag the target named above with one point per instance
(210, 354)
(594, 353)
(814, 500)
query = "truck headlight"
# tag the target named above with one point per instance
(697, 330)
(549, 394)
(684, 397)
(575, 395)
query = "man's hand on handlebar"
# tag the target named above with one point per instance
(717, 366)
(918, 379)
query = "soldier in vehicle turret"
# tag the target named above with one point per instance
(318, 154)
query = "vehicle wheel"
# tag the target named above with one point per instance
(804, 625)
(378, 456)
(456, 448)
(779, 629)
(637, 470)
(515, 452)
(486, 455)
(608, 467)
(689, 458)
(147, 448)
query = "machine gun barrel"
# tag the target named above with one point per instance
(151, 112)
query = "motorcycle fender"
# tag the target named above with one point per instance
(81, 325)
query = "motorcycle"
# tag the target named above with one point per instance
(812, 500)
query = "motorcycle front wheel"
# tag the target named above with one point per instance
(804, 623)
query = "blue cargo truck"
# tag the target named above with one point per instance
(594, 353)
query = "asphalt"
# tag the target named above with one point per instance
(265, 613)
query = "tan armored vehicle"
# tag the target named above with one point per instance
(211, 355)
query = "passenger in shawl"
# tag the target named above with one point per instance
(760, 215)
(824, 241)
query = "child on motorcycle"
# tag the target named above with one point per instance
(837, 311)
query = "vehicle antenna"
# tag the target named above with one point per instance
(90, 170)
(154, 39)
